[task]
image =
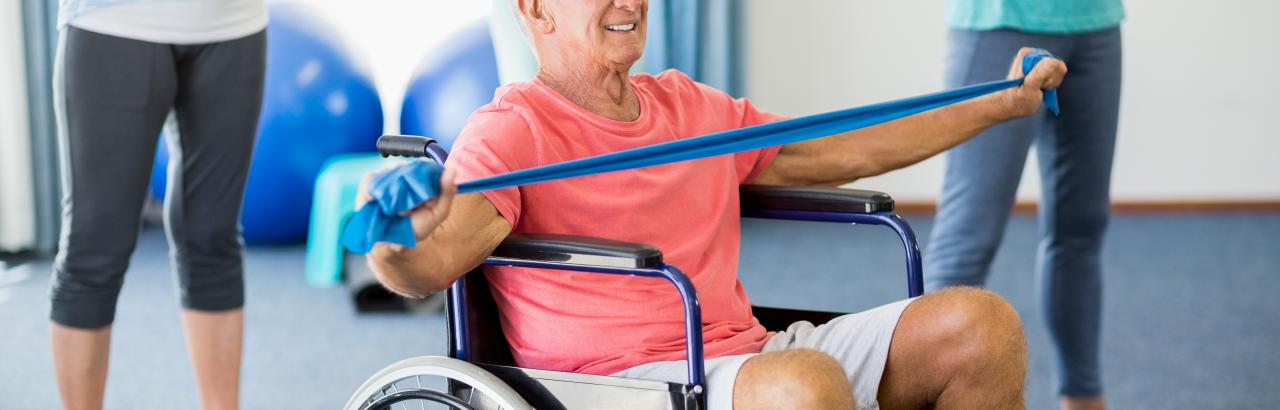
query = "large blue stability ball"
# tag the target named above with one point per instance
(319, 101)
(449, 83)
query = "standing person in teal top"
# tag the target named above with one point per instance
(1075, 154)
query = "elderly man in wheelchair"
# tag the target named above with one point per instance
(566, 336)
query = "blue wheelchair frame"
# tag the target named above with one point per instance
(460, 333)
(689, 296)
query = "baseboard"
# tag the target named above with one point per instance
(1129, 207)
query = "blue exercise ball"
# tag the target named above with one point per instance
(319, 101)
(449, 83)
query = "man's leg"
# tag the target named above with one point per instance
(792, 379)
(957, 348)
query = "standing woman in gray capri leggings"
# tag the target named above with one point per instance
(123, 67)
(1075, 153)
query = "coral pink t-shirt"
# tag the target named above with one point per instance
(602, 324)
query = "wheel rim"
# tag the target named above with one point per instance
(385, 388)
(387, 401)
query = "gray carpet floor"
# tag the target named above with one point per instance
(1192, 316)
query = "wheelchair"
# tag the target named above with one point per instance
(479, 370)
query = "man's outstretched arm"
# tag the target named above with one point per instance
(842, 158)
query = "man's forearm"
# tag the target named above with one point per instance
(457, 246)
(406, 271)
(909, 140)
(843, 158)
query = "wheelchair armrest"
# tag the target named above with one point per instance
(796, 198)
(835, 205)
(579, 250)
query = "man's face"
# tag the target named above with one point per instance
(606, 32)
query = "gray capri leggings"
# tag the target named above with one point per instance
(112, 97)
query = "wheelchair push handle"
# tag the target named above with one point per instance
(412, 146)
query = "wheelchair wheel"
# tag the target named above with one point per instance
(408, 384)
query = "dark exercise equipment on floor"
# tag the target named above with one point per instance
(369, 296)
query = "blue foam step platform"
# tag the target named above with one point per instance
(334, 202)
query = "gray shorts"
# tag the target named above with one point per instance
(859, 341)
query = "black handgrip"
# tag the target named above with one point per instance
(412, 146)
(820, 199)
(575, 249)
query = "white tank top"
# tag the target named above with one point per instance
(176, 22)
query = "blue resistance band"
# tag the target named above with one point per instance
(406, 187)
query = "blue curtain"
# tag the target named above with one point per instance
(39, 21)
(696, 37)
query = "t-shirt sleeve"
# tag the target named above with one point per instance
(494, 142)
(735, 113)
(750, 164)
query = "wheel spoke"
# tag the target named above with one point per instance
(418, 379)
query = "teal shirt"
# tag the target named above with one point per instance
(1035, 16)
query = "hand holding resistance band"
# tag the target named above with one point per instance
(408, 186)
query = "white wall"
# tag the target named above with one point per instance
(17, 209)
(1199, 101)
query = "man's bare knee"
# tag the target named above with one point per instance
(792, 379)
(978, 337)
(968, 342)
(973, 317)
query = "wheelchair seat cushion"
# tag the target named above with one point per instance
(601, 324)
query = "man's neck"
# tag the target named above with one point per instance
(601, 90)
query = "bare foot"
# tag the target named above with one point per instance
(1082, 403)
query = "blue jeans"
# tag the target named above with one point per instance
(1075, 154)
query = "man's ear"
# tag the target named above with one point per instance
(536, 14)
